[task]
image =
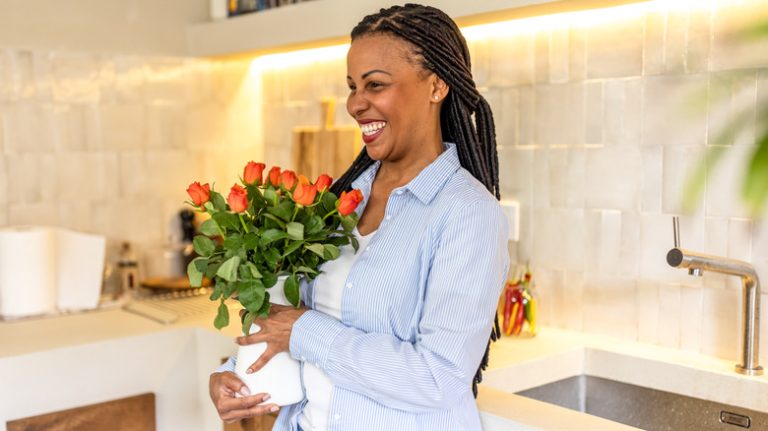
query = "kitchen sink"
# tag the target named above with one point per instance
(644, 408)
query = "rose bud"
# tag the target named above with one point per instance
(349, 201)
(252, 173)
(274, 176)
(304, 194)
(238, 199)
(323, 182)
(303, 180)
(288, 180)
(199, 194)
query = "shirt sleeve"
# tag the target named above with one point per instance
(434, 371)
(229, 365)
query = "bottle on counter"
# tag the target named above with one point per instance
(128, 266)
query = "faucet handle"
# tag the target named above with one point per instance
(676, 230)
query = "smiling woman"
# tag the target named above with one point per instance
(394, 337)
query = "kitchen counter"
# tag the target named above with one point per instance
(80, 359)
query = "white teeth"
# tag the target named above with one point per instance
(371, 128)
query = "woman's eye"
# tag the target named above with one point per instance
(374, 85)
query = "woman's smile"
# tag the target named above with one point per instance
(371, 129)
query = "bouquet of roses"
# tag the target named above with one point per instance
(268, 227)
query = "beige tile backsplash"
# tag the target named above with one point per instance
(598, 129)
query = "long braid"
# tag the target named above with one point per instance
(440, 48)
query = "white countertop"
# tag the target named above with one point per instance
(88, 342)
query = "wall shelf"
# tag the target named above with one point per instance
(325, 22)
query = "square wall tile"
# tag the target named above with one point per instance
(613, 178)
(682, 97)
(512, 60)
(669, 316)
(609, 306)
(647, 302)
(690, 318)
(615, 49)
(721, 323)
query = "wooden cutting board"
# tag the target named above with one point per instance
(327, 148)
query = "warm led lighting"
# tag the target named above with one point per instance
(303, 57)
(579, 19)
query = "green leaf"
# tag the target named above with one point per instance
(271, 235)
(216, 294)
(233, 241)
(251, 294)
(269, 279)
(254, 270)
(269, 195)
(328, 203)
(203, 245)
(218, 201)
(295, 231)
(755, 186)
(274, 219)
(209, 227)
(222, 316)
(314, 225)
(213, 266)
(271, 256)
(316, 248)
(306, 270)
(349, 222)
(227, 220)
(293, 246)
(291, 289)
(195, 271)
(250, 241)
(228, 270)
(283, 210)
(331, 251)
(247, 322)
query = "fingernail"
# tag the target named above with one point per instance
(274, 409)
(266, 397)
(249, 371)
(244, 391)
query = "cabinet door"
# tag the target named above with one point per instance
(127, 414)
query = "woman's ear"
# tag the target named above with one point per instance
(439, 89)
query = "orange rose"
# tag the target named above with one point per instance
(200, 194)
(349, 201)
(274, 176)
(238, 199)
(304, 194)
(288, 180)
(323, 182)
(252, 173)
(303, 180)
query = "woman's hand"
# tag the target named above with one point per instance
(224, 388)
(275, 331)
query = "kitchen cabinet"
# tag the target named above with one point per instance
(326, 22)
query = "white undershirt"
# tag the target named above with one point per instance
(329, 287)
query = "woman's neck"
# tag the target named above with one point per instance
(400, 172)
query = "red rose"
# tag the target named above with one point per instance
(238, 199)
(323, 182)
(200, 194)
(304, 194)
(349, 201)
(274, 176)
(288, 179)
(252, 173)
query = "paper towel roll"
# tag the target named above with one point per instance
(27, 271)
(80, 269)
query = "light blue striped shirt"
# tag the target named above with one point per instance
(417, 308)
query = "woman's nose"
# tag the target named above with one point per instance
(356, 104)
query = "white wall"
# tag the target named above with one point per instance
(131, 26)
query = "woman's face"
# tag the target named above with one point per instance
(391, 98)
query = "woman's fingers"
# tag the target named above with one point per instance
(259, 410)
(263, 359)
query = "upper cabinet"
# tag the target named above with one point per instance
(325, 22)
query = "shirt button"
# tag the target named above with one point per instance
(349, 285)
(336, 416)
(304, 359)
(399, 192)
(389, 217)
(368, 248)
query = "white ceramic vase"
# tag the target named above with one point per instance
(281, 376)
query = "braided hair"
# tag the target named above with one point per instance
(438, 46)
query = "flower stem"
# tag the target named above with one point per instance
(329, 214)
(242, 222)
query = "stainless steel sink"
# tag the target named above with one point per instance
(644, 408)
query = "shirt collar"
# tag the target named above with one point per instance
(426, 184)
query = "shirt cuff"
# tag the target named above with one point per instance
(312, 336)
(227, 366)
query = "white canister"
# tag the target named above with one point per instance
(281, 376)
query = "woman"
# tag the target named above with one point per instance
(394, 338)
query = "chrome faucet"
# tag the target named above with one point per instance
(750, 323)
